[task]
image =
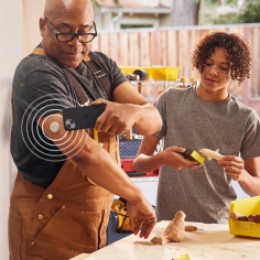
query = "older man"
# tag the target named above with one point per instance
(66, 180)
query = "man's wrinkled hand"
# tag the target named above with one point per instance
(142, 218)
(116, 119)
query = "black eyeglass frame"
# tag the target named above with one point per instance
(73, 35)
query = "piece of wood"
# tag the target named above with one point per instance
(174, 231)
(190, 228)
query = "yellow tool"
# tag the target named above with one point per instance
(95, 133)
(123, 222)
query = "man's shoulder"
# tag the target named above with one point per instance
(36, 64)
(100, 58)
(98, 55)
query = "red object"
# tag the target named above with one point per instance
(127, 166)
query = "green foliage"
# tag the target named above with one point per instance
(96, 4)
(230, 18)
(251, 12)
(212, 2)
(218, 2)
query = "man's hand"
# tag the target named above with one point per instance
(142, 217)
(117, 118)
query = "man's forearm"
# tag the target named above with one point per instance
(97, 164)
(93, 160)
(149, 120)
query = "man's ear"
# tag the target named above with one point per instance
(42, 24)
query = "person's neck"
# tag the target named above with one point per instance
(211, 97)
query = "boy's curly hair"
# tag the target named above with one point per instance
(238, 52)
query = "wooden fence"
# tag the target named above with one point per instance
(173, 47)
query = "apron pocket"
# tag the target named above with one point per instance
(68, 233)
(15, 234)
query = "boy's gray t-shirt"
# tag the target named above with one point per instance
(40, 88)
(204, 194)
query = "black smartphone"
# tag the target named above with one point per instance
(188, 154)
(75, 118)
(193, 155)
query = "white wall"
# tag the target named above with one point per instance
(10, 54)
(33, 10)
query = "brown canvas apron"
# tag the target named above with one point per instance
(68, 218)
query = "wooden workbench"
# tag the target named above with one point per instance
(211, 242)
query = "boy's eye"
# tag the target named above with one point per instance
(225, 68)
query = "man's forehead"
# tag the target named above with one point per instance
(64, 10)
(67, 24)
(67, 4)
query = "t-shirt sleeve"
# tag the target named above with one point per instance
(160, 105)
(251, 143)
(35, 96)
(41, 93)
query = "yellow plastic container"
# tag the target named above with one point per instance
(164, 73)
(154, 73)
(245, 207)
(149, 72)
(128, 69)
(172, 73)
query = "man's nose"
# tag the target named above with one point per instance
(74, 41)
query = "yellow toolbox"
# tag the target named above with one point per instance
(244, 217)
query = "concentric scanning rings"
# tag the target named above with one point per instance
(35, 138)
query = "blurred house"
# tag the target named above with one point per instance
(132, 13)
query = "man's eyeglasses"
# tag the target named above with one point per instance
(68, 37)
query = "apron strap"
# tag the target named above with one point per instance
(83, 98)
(101, 76)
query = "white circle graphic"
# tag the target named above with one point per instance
(36, 140)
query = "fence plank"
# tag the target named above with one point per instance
(172, 48)
(155, 48)
(113, 48)
(104, 43)
(134, 49)
(145, 48)
(123, 47)
(164, 50)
